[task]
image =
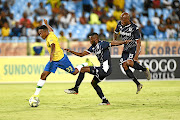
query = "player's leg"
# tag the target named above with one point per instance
(50, 67)
(137, 66)
(41, 82)
(80, 78)
(66, 65)
(78, 68)
(130, 74)
(98, 90)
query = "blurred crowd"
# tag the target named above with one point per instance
(92, 12)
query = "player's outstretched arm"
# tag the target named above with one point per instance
(114, 36)
(78, 54)
(48, 26)
(116, 43)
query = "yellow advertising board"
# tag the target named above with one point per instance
(29, 69)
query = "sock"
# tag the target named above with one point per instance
(79, 80)
(39, 86)
(130, 74)
(82, 65)
(137, 66)
(99, 92)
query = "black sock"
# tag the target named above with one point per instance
(79, 80)
(137, 66)
(130, 74)
(99, 91)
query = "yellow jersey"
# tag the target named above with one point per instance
(58, 54)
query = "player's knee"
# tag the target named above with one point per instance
(129, 62)
(125, 66)
(83, 70)
(94, 83)
(76, 71)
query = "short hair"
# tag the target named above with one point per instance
(43, 27)
(92, 34)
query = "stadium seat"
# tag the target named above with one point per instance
(159, 11)
(103, 26)
(110, 13)
(143, 20)
(70, 6)
(48, 8)
(128, 4)
(152, 38)
(101, 3)
(32, 39)
(96, 28)
(6, 39)
(106, 34)
(1, 39)
(166, 13)
(15, 39)
(22, 39)
(138, 5)
(151, 12)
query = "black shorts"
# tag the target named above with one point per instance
(99, 73)
(128, 55)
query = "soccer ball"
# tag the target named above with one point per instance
(34, 101)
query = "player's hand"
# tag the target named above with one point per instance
(51, 57)
(45, 21)
(127, 41)
(68, 50)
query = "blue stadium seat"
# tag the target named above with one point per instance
(106, 34)
(64, 2)
(32, 39)
(143, 20)
(70, 6)
(22, 39)
(128, 4)
(159, 11)
(138, 5)
(96, 28)
(48, 8)
(110, 13)
(6, 39)
(151, 12)
(103, 26)
(15, 39)
(145, 37)
(78, 14)
(166, 13)
(101, 3)
(152, 38)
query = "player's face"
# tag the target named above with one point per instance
(42, 33)
(92, 40)
(124, 20)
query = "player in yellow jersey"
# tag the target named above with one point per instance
(57, 57)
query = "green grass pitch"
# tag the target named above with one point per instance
(158, 100)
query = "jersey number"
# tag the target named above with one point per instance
(69, 69)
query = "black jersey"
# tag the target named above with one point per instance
(128, 32)
(102, 52)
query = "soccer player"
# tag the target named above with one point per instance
(101, 49)
(57, 58)
(129, 31)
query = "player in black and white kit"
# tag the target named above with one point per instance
(129, 31)
(101, 50)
